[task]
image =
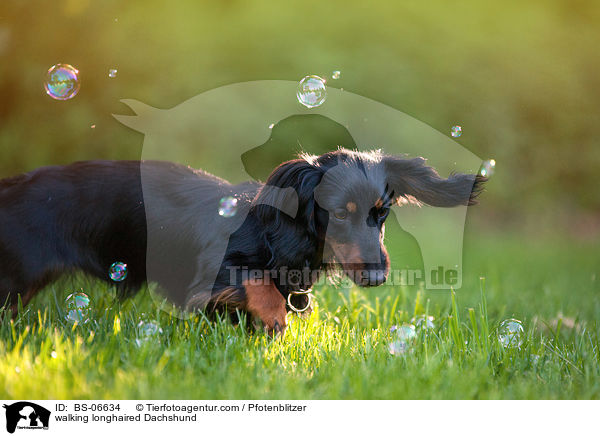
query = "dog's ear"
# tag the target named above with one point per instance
(289, 190)
(412, 178)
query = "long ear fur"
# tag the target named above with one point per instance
(289, 190)
(292, 238)
(411, 177)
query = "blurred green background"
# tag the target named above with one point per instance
(522, 78)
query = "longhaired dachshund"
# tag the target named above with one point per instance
(163, 220)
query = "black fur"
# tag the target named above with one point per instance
(87, 215)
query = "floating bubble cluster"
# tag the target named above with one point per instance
(228, 207)
(487, 168)
(423, 322)
(398, 348)
(146, 331)
(510, 333)
(406, 332)
(62, 82)
(112, 73)
(405, 336)
(118, 271)
(456, 131)
(78, 307)
(336, 74)
(311, 91)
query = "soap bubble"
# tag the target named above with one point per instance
(487, 168)
(406, 332)
(78, 307)
(456, 131)
(228, 207)
(405, 336)
(336, 74)
(510, 333)
(311, 91)
(423, 322)
(398, 348)
(112, 73)
(118, 271)
(146, 331)
(62, 82)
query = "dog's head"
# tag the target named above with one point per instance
(344, 198)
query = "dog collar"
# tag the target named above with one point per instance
(307, 292)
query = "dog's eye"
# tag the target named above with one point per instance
(340, 213)
(383, 212)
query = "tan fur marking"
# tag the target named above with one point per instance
(347, 253)
(266, 303)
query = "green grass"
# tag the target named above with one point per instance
(341, 351)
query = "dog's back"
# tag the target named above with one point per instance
(88, 215)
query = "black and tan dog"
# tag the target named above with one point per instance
(161, 220)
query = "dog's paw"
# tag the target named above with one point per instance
(273, 328)
(278, 329)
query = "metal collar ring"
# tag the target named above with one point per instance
(300, 292)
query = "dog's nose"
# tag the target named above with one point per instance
(376, 277)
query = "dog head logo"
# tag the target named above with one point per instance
(26, 415)
(225, 130)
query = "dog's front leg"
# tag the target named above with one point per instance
(265, 302)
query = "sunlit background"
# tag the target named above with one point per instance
(521, 78)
